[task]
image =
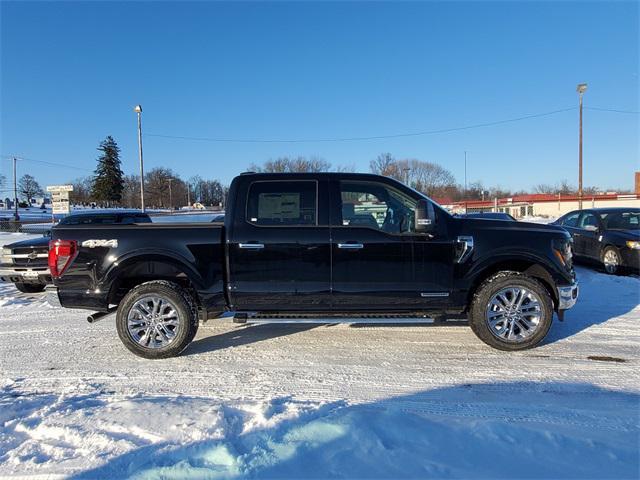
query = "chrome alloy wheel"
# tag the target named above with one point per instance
(611, 261)
(153, 322)
(514, 314)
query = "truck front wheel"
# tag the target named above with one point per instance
(511, 311)
(157, 319)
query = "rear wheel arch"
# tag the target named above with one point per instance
(138, 270)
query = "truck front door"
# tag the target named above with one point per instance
(379, 261)
(278, 247)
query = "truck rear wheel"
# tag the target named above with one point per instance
(511, 311)
(157, 319)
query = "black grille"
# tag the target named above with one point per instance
(28, 262)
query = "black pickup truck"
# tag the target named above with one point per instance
(321, 244)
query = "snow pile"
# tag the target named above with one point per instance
(469, 431)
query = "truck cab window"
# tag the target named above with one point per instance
(282, 203)
(377, 206)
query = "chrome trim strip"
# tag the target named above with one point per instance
(26, 255)
(434, 294)
(350, 246)
(251, 246)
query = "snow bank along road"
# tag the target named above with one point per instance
(322, 401)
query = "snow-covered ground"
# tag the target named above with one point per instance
(323, 401)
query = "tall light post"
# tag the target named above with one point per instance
(465, 182)
(16, 217)
(170, 195)
(138, 110)
(582, 87)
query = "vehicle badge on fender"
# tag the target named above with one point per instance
(100, 243)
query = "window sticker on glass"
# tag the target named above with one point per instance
(279, 205)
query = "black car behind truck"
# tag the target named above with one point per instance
(311, 244)
(608, 236)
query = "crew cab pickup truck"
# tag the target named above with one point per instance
(320, 244)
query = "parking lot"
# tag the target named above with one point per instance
(74, 400)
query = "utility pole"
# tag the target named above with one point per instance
(189, 195)
(170, 195)
(582, 87)
(138, 110)
(465, 182)
(406, 175)
(15, 191)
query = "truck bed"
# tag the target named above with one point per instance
(108, 254)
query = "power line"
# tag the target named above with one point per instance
(45, 162)
(611, 110)
(375, 137)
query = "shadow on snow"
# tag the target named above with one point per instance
(504, 430)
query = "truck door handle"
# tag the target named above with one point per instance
(350, 246)
(252, 246)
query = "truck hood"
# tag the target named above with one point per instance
(489, 224)
(31, 243)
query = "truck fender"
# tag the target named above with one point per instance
(120, 265)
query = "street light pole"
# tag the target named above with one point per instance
(582, 87)
(138, 110)
(170, 195)
(465, 182)
(15, 191)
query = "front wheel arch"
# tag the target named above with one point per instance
(526, 267)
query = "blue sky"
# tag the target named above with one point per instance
(71, 73)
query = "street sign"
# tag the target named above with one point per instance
(60, 198)
(60, 188)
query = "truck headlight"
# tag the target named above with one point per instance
(564, 253)
(633, 244)
(5, 259)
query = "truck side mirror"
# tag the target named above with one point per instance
(425, 216)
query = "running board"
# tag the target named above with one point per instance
(347, 320)
(252, 317)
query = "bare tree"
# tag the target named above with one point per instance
(385, 164)
(293, 165)
(29, 187)
(164, 188)
(427, 177)
(81, 194)
(131, 191)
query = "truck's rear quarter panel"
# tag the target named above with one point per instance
(193, 251)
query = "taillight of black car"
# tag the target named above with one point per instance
(61, 254)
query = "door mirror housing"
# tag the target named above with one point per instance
(425, 216)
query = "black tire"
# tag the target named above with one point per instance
(187, 314)
(478, 316)
(608, 253)
(30, 287)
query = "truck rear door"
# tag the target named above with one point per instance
(279, 247)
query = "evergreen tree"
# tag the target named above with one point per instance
(108, 182)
